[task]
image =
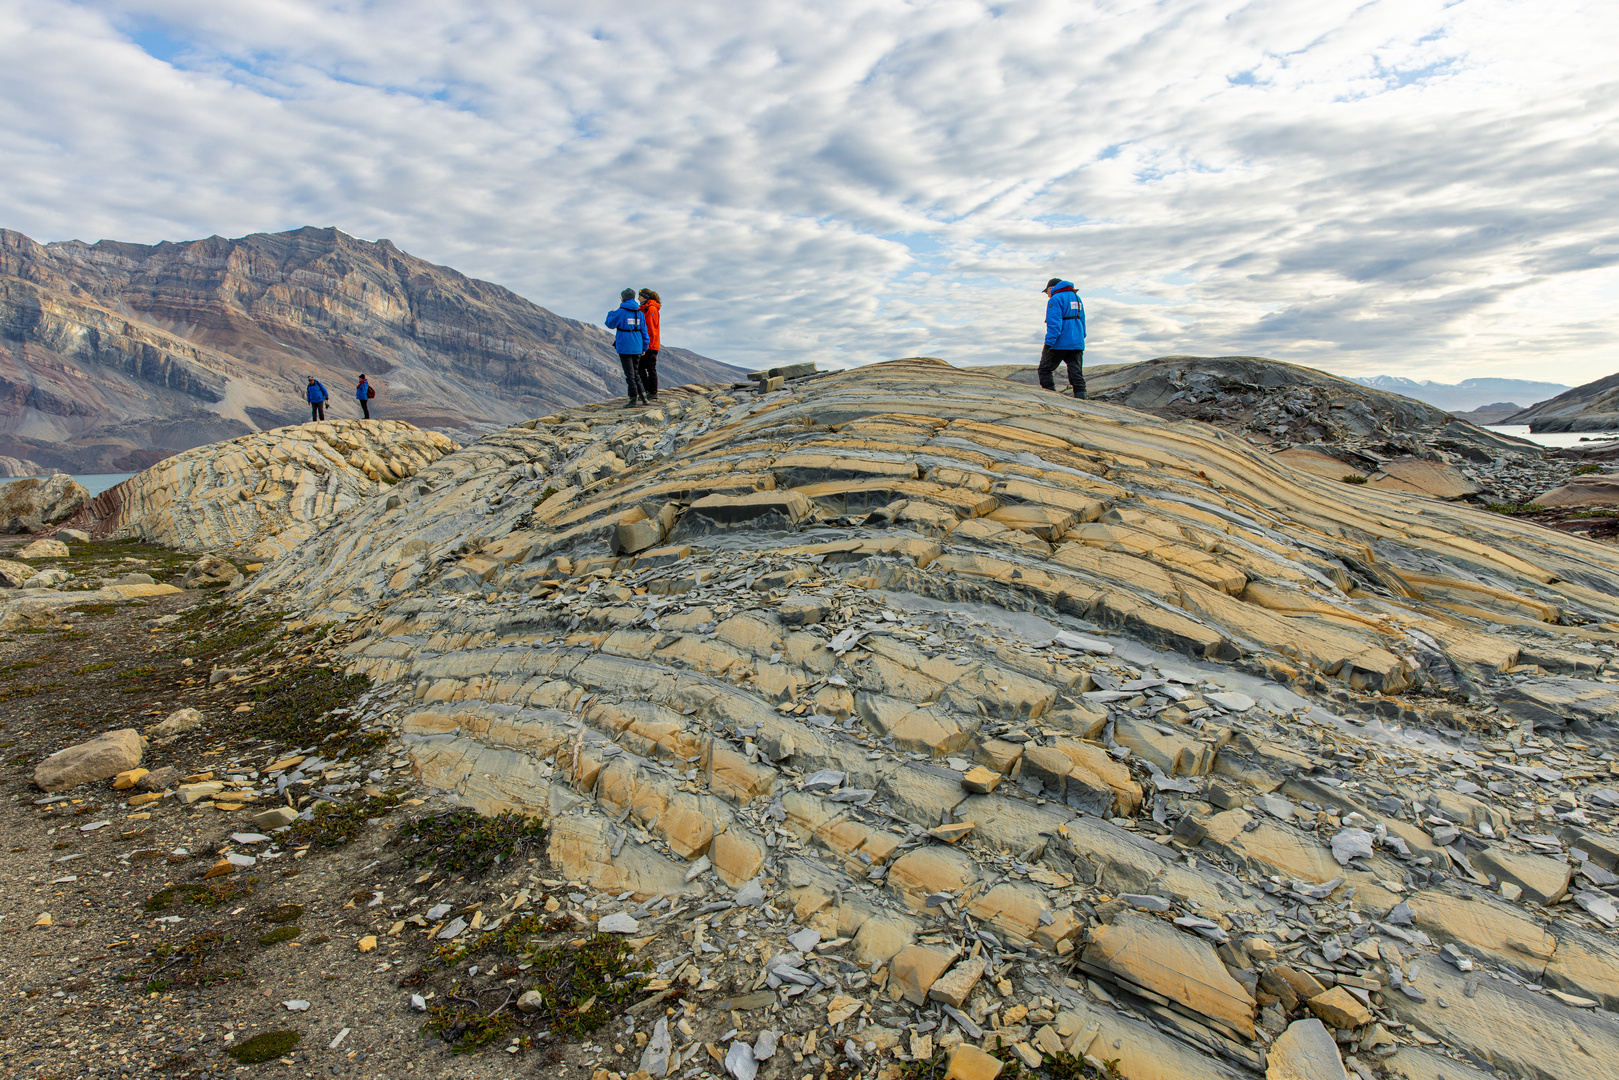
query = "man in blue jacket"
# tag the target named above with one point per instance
(1065, 336)
(363, 394)
(316, 394)
(630, 342)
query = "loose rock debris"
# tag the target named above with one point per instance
(1284, 775)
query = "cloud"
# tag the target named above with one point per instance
(1413, 187)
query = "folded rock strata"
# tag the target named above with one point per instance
(270, 491)
(775, 632)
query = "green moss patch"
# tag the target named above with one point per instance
(265, 1046)
(280, 934)
(208, 894)
(465, 842)
(335, 824)
(583, 987)
(297, 708)
(465, 1026)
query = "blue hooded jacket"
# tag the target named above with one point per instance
(361, 391)
(315, 392)
(1065, 318)
(631, 326)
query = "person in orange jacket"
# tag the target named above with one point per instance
(651, 308)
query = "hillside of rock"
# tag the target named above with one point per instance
(265, 493)
(1493, 413)
(983, 696)
(114, 355)
(1592, 407)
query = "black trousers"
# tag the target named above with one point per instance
(646, 366)
(632, 375)
(317, 410)
(365, 407)
(1073, 359)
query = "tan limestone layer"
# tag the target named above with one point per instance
(269, 491)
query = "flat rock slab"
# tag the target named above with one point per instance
(1305, 1051)
(101, 758)
(1543, 881)
(1554, 703)
(915, 969)
(1178, 966)
(1584, 491)
(1513, 1029)
(1427, 477)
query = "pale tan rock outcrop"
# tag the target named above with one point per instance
(264, 494)
(1176, 965)
(789, 696)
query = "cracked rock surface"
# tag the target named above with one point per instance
(1131, 741)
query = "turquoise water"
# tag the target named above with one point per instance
(95, 482)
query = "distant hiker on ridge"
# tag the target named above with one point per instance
(317, 395)
(630, 342)
(1065, 336)
(651, 309)
(363, 394)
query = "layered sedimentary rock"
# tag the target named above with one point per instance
(114, 356)
(1337, 428)
(266, 493)
(955, 671)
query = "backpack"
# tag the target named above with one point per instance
(370, 391)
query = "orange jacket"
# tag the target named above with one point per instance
(650, 311)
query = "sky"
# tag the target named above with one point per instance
(1416, 188)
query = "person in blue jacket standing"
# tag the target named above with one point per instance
(1065, 336)
(630, 342)
(363, 394)
(317, 395)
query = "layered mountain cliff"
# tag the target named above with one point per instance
(1592, 407)
(114, 355)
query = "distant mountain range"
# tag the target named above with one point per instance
(1468, 394)
(114, 356)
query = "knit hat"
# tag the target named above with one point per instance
(627, 294)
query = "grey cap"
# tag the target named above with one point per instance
(627, 294)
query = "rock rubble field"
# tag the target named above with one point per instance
(910, 723)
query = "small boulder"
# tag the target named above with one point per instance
(101, 758)
(137, 578)
(209, 572)
(177, 723)
(159, 779)
(275, 818)
(30, 505)
(76, 536)
(44, 549)
(13, 573)
(1339, 1008)
(29, 613)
